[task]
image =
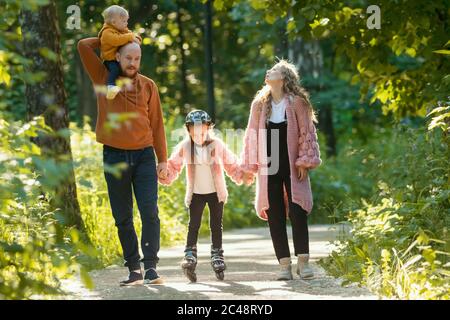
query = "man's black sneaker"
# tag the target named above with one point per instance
(134, 279)
(152, 277)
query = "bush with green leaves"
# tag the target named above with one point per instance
(37, 250)
(399, 242)
(341, 182)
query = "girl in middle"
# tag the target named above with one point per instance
(206, 157)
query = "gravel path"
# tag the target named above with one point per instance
(250, 274)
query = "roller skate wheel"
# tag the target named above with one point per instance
(190, 274)
(220, 275)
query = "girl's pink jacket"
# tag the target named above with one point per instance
(221, 158)
(303, 151)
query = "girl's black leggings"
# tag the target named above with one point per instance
(196, 208)
(277, 218)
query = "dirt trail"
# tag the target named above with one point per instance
(250, 274)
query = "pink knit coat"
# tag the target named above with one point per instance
(303, 151)
(221, 159)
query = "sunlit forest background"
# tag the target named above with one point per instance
(381, 95)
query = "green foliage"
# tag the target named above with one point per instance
(341, 182)
(36, 250)
(399, 243)
(440, 117)
(239, 211)
(11, 63)
(419, 36)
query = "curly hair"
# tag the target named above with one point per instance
(291, 85)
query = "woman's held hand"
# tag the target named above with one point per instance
(248, 178)
(302, 173)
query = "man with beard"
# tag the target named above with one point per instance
(133, 140)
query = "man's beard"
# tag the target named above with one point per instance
(128, 75)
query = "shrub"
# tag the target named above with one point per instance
(36, 249)
(399, 243)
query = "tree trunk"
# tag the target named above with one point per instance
(326, 124)
(184, 83)
(87, 105)
(41, 45)
(282, 47)
(308, 57)
(209, 60)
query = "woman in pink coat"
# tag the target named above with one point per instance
(280, 146)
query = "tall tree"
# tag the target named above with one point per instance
(308, 57)
(41, 45)
(282, 47)
(87, 105)
(184, 83)
(209, 59)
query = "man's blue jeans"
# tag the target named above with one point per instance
(141, 178)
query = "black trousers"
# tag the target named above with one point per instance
(277, 219)
(196, 208)
(141, 179)
(277, 209)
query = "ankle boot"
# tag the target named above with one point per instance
(303, 268)
(285, 272)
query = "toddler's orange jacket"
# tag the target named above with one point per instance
(111, 39)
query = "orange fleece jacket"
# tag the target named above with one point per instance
(111, 39)
(146, 128)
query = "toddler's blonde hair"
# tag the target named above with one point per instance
(114, 11)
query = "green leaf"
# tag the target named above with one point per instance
(270, 18)
(290, 25)
(85, 183)
(411, 52)
(442, 51)
(258, 4)
(49, 54)
(86, 279)
(360, 253)
(412, 260)
(385, 254)
(218, 5)
(422, 238)
(11, 248)
(429, 255)
(308, 12)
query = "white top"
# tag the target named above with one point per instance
(278, 111)
(203, 179)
